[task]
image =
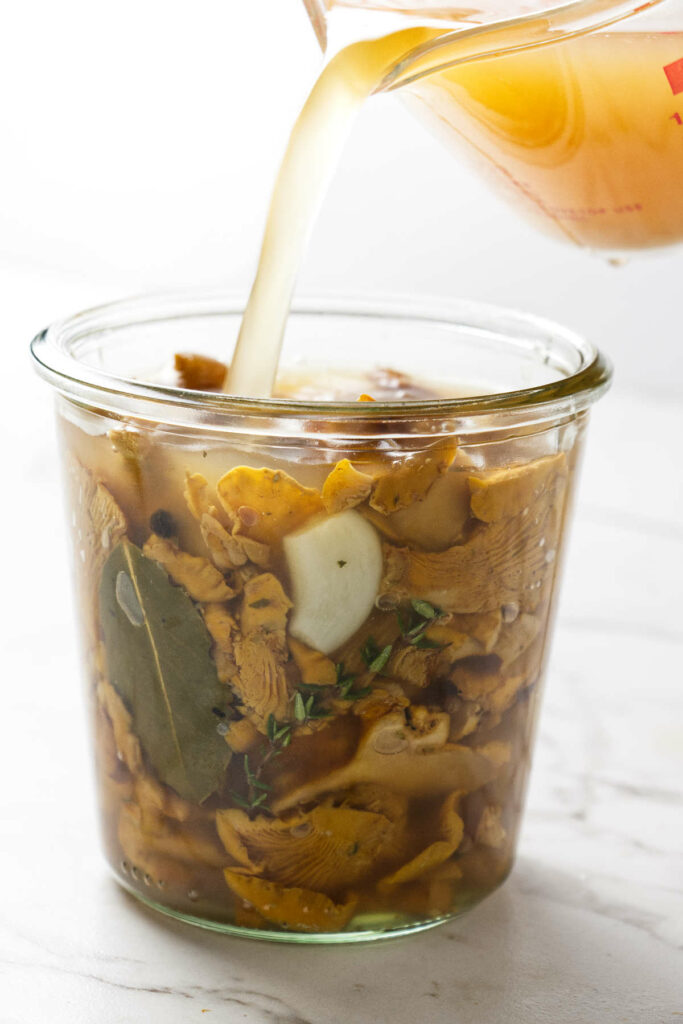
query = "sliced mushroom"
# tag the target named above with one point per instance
(501, 563)
(413, 665)
(141, 835)
(242, 736)
(150, 795)
(483, 627)
(99, 523)
(516, 638)
(345, 487)
(435, 521)
(299, 910)
(223, 629)
(451, 829)
(503, 493)
(410, 479)
(198, 372)
(197, 575)
(220, 544)
(315, 668)
(265, 606)
(196, 494)
(261, 680)
(328, 848)
(281, 503)
(127, 744)
(410, 761)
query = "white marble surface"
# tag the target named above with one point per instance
(588, 929)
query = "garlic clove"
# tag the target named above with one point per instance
(335, 567)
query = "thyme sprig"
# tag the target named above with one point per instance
(420, 617)
(307, 703)
(375, 657)
(258, 791)
(308, 699)
(413, 625)
(345, 684)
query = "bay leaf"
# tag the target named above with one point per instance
(159, 661)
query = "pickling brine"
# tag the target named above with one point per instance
(314, 684)
(583, 136)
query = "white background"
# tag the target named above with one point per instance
(139, 142)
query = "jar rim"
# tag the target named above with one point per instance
(53, 353)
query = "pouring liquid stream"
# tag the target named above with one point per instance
(579, 130)
(312, 153)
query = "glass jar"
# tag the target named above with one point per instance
(314, 632)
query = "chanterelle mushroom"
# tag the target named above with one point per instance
(450, 833)
(299, 910)
(410, 479)
(502, 493)
(501, 563)
(197, 575)
(328, 848)
(414, 761)
(281, 503)
(99, 524)
(345, 487)
(261, 651)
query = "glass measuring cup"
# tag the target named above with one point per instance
(574, 114)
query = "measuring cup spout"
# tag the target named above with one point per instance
(492, 28)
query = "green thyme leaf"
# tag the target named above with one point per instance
(299, 708)
(358, 694)
(369, 651)
(240, 800)
(344, 678)
(423, 643)
(425, 609)
(382, 658)
(262, 785)
(262, 602)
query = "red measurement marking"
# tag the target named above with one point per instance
(674, 72)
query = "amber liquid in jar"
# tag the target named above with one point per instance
(314, 676)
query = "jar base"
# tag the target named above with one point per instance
(367, 934)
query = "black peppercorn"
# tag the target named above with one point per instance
(162, 523)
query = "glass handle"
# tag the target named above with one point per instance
(316, 12)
